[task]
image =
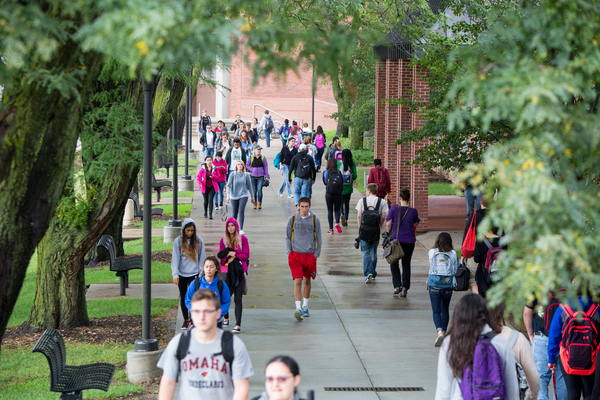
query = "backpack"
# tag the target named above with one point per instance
(320, 141)
(219, 286)
(314, 224)
(462, 278)
(579, 344)
(346, 175)
(441, 271)
(269, 122)
(338, 155)
(303, 168)
(334, 184)
(285, 132)
(226, 349)
(484, 276)
(484, 379)
(546, 313)
(523, 384)
(381, 181)
(370, 222)
(277, 161)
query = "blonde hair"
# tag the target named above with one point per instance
(307, 140)
(338, 144)
(305, 125)
(233, 239)
(236, 164)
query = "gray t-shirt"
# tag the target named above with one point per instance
(202, 375)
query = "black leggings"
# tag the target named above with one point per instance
(333, 201)
(209, 199)
(346, 205)
(578, 385)
(403, 280)
(238, 292)
(184, 282)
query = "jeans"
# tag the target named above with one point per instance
(301, 188)
(333, 201)
(369, 253)
(239, 206)
(283, 141)
(209, 151)
(539, 347)
(403, 279)
(257, 185)
(440, 303)
(267, 133)
(220, 193)
(469, 199)
(286, 173)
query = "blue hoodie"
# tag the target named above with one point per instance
(225, 300)
(181, 265)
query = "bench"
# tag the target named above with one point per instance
(70, 380)
(138, 211)
(158, 185)
(119, 265)
(164, 164)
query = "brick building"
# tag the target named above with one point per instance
(290, 98)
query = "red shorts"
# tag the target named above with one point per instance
(302, 265)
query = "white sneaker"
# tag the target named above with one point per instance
(216, 207)
(242, 232)
(291, 196)
(280, 194)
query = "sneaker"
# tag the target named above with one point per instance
(369, 278)
(404, 292)
(210, 217)
(397, 290)
(221, 204)
(225, 324)
(242, 232)
(216, 207)
(439, 339)
(205, 215)
(185, 325)
(305, 312)
(330, 232)
(291, 196)
(236, 330)
(298, 315)
(337, 227)
(344, 222)
(280, 194)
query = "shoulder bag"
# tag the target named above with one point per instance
(392, 252)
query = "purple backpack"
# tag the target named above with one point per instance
(485, 378)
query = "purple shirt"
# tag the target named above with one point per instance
(405, 233)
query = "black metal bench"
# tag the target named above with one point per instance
(164, 164)
(70, 380)
(119, 265)
(158, 185)
(138, 211)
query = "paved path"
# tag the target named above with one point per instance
(358, 335)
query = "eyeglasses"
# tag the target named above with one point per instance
(203, 312)
(280, 379)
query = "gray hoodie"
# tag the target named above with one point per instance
(304, 235)
(238, 185)
(180, 264)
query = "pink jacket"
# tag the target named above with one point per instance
(201, 179)
(220, 170)
(242, 253)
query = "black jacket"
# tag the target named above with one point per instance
(286, 155)
(296, 162)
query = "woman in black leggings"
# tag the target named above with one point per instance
(333, 197)
(348, 169)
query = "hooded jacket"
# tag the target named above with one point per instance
(258, 172)
(201, 179)
(225, 300)
(243, 252)
(220, 170)
(180, 264)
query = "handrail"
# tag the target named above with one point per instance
(270, 111)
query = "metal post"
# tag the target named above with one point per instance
(187, 132)
(147, 344)
(313, 99)
(175, 221)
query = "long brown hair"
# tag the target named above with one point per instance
(469, 317)
(331, 164)
(444, 242)
(191, 250)
(496, 318)
(233, 239)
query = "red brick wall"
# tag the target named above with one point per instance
(397, 79)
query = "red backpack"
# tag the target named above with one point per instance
(579, 344)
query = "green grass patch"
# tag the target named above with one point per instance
(161, 273)
(183, 211)
(442, 188)
(119, 306)
(136, 246)
(182, 193)
(359, 183)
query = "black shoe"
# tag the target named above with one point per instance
(221, 205)
(403, 293)
(397, 290)
(205, 215)
(210, 217)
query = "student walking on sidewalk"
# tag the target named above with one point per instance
(332, 179)
(285, 157)
(371, 217)
(219, 176)
(238, 186)
(348, 169)
(208, 185)
(282, 376)
(303, 245)
(186, 262)
(236, 255)
(258, 166)
(404, 232)
(304, 171)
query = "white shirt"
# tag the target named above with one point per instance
(372, 202)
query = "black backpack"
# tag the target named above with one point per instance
(303, 167)
(334, 184)
(226, 349)
(462, 276)
(219, 286)
(369, 222)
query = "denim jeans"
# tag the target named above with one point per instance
(257, 184)
(470, 198)
(369, 253)
(440, 303)
(286, 173)
(301, 188)
(540, 354)
(220, 193)
(209, 151)
(267, 133)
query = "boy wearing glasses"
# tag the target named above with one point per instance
(204, 372)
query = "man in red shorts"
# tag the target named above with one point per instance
(303, 241)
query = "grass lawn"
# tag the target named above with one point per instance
(183, 211)
(182, 193)
(359, 183)
(442, 188)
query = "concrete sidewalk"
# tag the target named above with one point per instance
(358, 335)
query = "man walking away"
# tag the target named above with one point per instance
(371, 217)
(303, 245)
(381, 176)
(203, 122)
(305, 172)
(266, 125)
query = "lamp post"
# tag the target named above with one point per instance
(313, 98)
(175, 222)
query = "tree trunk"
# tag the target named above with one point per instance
(356, 139)
(344, 104)
(38, 134)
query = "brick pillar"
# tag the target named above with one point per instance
(392, 113)
(380, 92)
(419, 177)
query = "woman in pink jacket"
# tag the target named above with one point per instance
(208, 185)
(240, 249)
(220, 176)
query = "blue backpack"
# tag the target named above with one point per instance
(484, 379)
(285, 131)
(442, 271)
(276, 161)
